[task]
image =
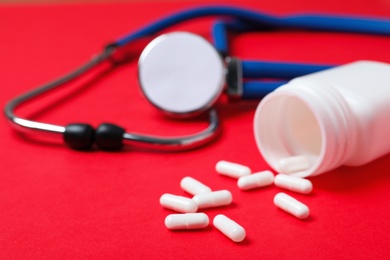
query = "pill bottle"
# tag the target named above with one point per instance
(339, 116)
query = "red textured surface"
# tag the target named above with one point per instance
(56, 203)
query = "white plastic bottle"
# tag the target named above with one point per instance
(340, 116)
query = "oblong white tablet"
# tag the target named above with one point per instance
(293, 183)
(255, 180)
(178, 203)
(233, 170)
(229, 228)
(213, 199)
(186, 221)
(294, 164)
(193, 186)
(291, 205)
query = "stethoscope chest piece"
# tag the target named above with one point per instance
(181, 73)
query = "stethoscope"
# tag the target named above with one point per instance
(183, 75)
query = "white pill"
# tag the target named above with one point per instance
(187, 221)
(193, 186)
(233, 170)
(229, 228)
(291, 205)
(178, 203)
(293, 183)
(294, 164)
(255, 180)
(213, 199)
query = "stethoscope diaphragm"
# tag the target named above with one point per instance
(181, 73)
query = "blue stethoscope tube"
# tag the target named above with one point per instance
(242, 19)
(260, 69)
(311, 22)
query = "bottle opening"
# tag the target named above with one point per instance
(284, 127)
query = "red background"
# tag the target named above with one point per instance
(64, 204)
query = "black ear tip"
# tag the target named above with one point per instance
(109, 137)
(79, 136)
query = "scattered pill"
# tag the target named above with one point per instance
(178, 203)
(187, 221)
(213, 199)
(233, 170)
(255, 180)
(293, 183)
(291, 205)
(294, 164)
(229, 228)
(193, 186)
